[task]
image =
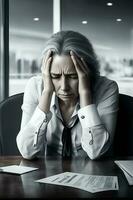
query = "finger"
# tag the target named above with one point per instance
(85, 65)
(73, 57)
(79, 65)
(47, 68)
(82, 65)
(46, 60)
(46, 57)
(78, 70)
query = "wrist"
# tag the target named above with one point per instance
(85, 94)
(45, 101)
(47, 92)
(85, 98)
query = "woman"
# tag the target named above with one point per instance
(69, 110)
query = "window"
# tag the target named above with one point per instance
(1, 52)
(109, 26)
(30, 24)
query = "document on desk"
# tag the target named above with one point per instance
(90, 183)
(17, 169)
(127, 167)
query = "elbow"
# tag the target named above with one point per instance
(93, 154)
(27, 156)
(25, 152)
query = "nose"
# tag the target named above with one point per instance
(64, 83)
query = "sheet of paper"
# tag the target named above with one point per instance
(90, 183)
(126, 165)
(128, 177)
(17, 169)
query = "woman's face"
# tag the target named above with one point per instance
(64, 78)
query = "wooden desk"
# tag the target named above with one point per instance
(22, 186)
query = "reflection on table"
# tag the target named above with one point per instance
(24, 185)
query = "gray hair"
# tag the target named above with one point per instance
(65, 41)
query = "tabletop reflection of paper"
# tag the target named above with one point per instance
(90, 183)
(17, 169)
(127, 167)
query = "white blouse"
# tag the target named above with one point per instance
(92, 136)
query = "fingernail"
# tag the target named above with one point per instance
(71, 53)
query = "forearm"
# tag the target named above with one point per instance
(31, 138)
(85, 98)
(28, 144)
(95, 142)
(45, 101)
(98, 120)
(98, 132)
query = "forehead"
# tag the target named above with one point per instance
(62, 63)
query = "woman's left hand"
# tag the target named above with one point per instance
(83, 72)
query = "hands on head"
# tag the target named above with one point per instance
(81, 68)
(46, 67)
(83, 73)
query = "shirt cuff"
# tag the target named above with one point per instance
(39, 117)
(89, 116)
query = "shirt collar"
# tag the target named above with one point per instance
(55, 105)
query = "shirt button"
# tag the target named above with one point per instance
(91, 142)
(45, 120)
(82, 117)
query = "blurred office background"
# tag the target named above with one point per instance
(107, 24)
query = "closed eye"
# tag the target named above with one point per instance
(55, 76)
(73, 76)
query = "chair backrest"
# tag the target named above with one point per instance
(10, 120)
(123, 141)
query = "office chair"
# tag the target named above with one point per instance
(10, 120)
(123, 141)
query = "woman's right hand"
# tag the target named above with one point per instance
(46, 66)
(45, 100)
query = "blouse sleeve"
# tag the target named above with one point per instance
(99, 121)
(31, 137)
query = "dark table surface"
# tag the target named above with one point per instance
(24, 186)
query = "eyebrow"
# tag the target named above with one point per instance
(55, 74)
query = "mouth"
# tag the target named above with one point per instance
(65, 95)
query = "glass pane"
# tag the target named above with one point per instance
(110, 29)
(30, 24)
(1, 52)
